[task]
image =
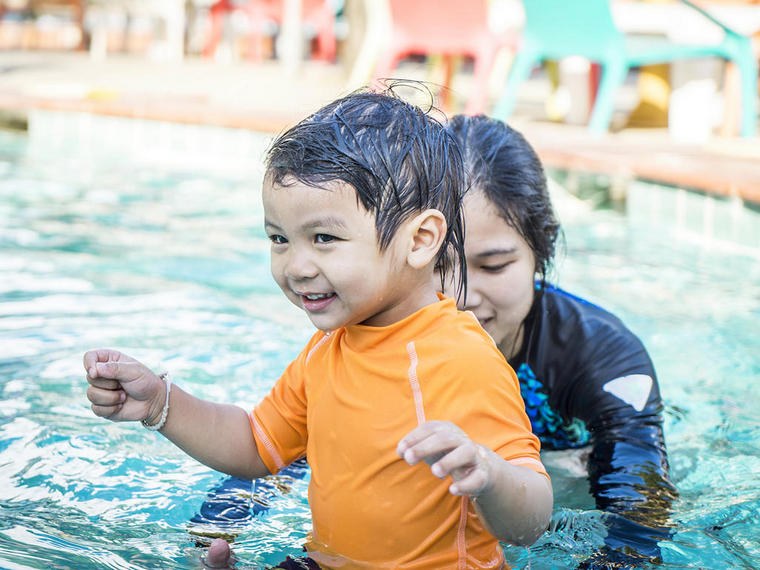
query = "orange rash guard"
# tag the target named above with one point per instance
(346, 402)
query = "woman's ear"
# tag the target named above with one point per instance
(428, 233)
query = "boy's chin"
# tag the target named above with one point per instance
(322, 323)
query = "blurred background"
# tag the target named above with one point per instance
(667, 75)
(132, 136)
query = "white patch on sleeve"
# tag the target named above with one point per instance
(633, 389)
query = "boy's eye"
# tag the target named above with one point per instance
(277, 239)
(324, 238)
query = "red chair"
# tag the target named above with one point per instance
(317, 13)
(443, 27)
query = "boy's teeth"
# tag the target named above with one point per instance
(316, 296)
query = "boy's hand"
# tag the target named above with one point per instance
(121, 388)
(449, 451)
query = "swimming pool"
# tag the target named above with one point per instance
(148, 237)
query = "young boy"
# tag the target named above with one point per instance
(417, 462)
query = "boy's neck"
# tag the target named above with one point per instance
(422, 297)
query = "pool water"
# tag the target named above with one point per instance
(148, 238)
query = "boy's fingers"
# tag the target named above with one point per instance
(439, 442)
(459, 461)
(474, 483)
(104, 370)
(414, 445)
(100, 397)
(421, 433)
(430, 450)
(104, 411)
(116, 370)
(415, 436)
(91, 357)
(474, 476)
(104, 384)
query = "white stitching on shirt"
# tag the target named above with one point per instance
(414, 383)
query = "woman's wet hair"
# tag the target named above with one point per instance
(500, 163)
(397, 156)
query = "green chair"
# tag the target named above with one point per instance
(555, 29)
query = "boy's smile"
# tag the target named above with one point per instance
(314, 302)
(326, 257)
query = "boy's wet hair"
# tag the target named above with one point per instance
(399, 159)
(502, 164)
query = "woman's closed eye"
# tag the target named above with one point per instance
(496, 267)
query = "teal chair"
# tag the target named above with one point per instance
(555, 29)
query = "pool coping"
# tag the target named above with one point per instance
(274, 100)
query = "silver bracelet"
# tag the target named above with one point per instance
(165, 413)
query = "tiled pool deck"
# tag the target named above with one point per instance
(265, 97)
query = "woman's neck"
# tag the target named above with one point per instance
(512, 344)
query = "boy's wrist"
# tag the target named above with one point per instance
(158, 404)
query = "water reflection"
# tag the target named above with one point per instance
(164, 256)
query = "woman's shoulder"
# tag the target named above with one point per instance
(577, 330)
(563, 308)
(576, 348)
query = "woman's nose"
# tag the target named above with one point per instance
(473, 299)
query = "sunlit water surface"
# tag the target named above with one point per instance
(155, 246)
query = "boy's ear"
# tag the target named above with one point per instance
(428, 231)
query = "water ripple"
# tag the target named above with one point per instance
(165, 257)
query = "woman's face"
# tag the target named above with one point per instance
(500, 273)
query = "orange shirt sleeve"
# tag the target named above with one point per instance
(279, 420)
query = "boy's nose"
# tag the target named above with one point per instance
(300, 266)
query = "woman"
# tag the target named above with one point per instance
(587, 380)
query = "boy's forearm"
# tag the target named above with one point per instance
(518, 508)
(217, 435)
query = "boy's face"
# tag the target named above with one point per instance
(500, 272)
(326, 257)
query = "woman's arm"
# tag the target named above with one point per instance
(628, 464)
(628, 476)
(596, 370)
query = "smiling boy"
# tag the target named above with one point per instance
(416, 461)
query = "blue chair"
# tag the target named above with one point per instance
(555, 29)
